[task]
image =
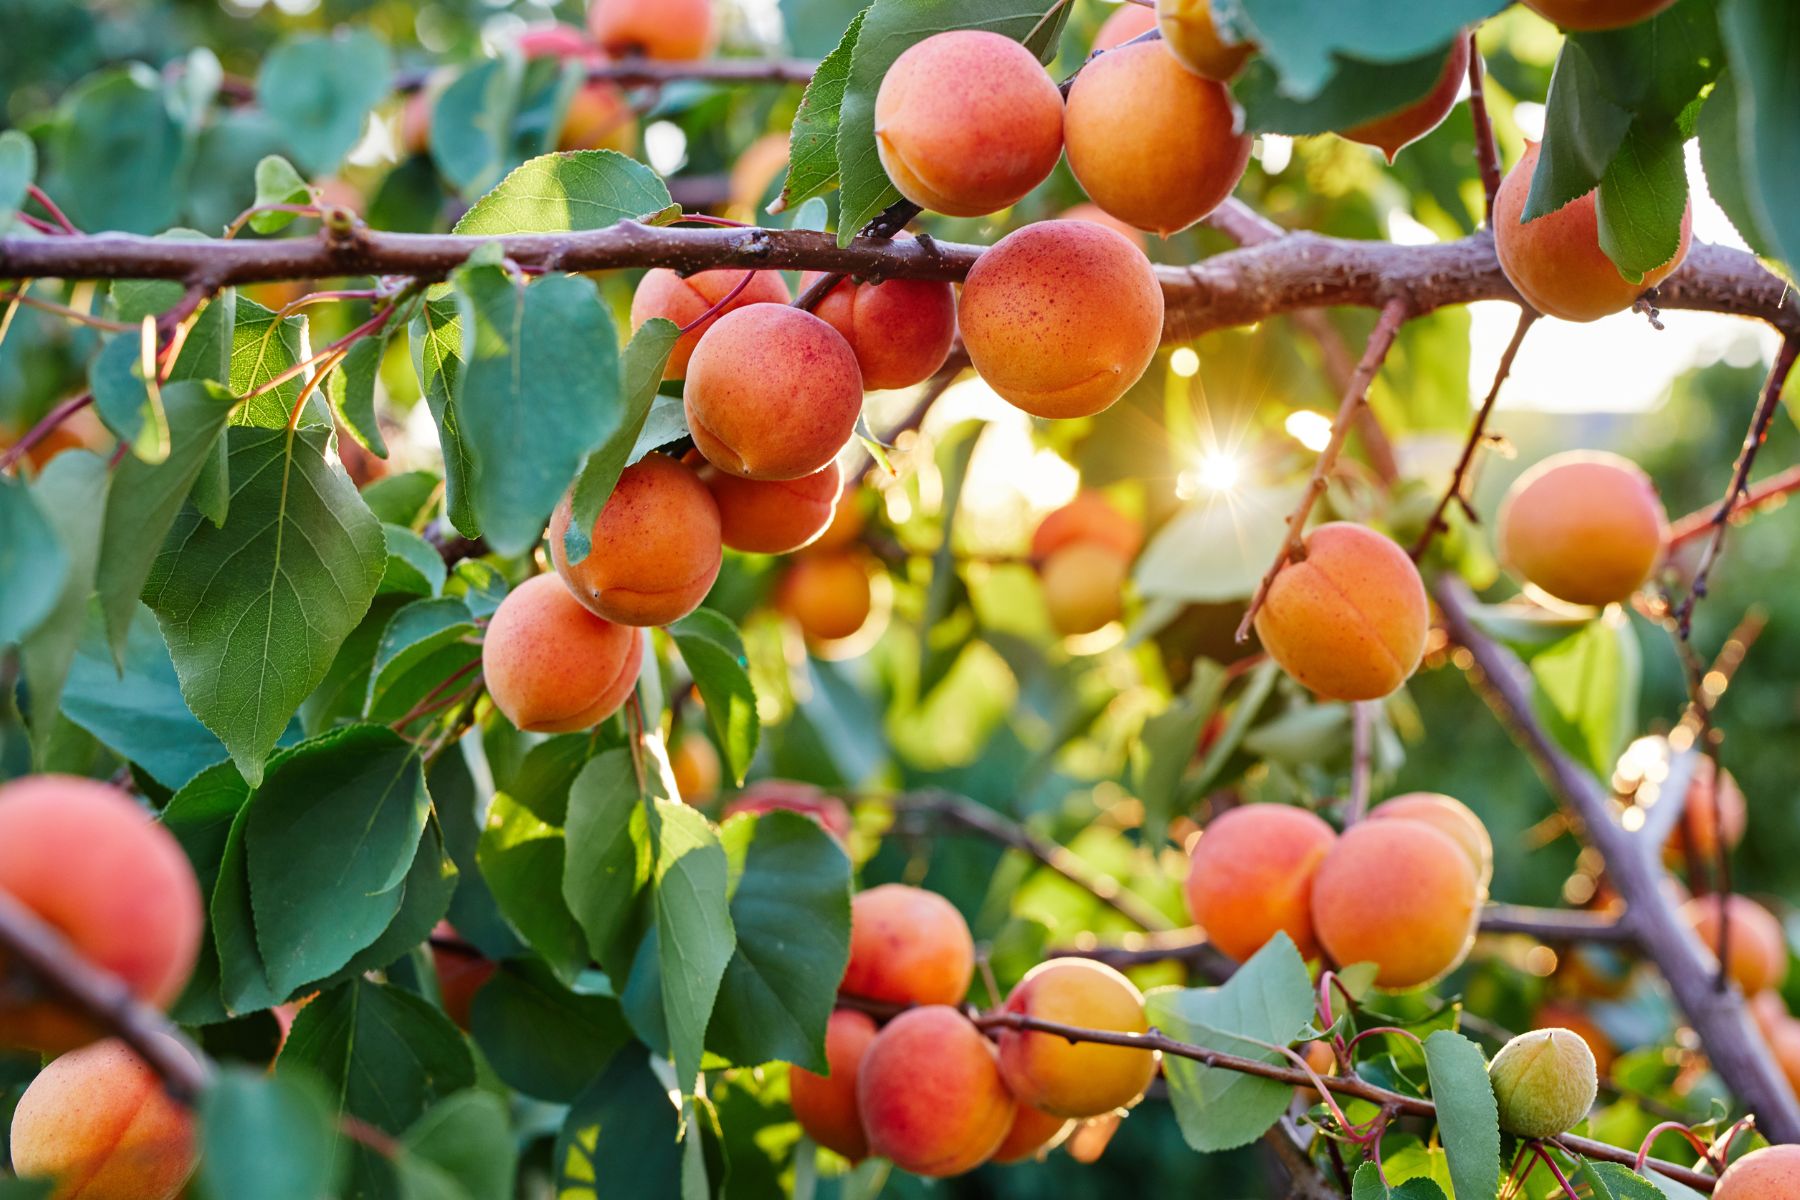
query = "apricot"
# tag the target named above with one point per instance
(1588, 15)
(1556, 261)
(1089, 1139)
(551, 665)
(1089, 517)
(98, 1122)
(669, 30)
(772, 393)
(1061, 317)
(1399, 129)
(553, 39)
(1127, 22)
(1784, 1043)
(1715, 803)
(1184, 153)
(1559, 1015)
(931, 1095)
(825, 1105)
(1250, 876)
(846, 526)
(1450, 816)
(1771, 1173)
(908, 946)
(967, 122)
(1192, 37)
(768, 795)
(774, 516)
(1084, 587)
(1075, 1079)
(1758, 955)
(656, 546)
(1093, 214)
(829, 596)
(1544, 1082)
(1349, 619)
(900, 330)
(461, 972)
(90, 863)
(1400, 894)
(599, 117)
(663, 293)
(1769, 1011)
(1585, 526)
(1032, 1133)
(697, 770)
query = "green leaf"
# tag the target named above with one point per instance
(124, 403)
(243, 980)
(621, 1135)
(321, 89)
(1169, 743)
(414, 567)
(695, 939)
(812, 145)
(352, 388)
(423, 644)
(1642, 198)
(790, 907)
(266, 1137)
(1586, 690)
(1269, 999)
(255, 611)
(471, 124)
(277, 183)
(1305, 39)
(437, 339)
(1723, 156)
(888, 28)
(575, 189)
(262, 348)
(1215, 549)
(18, 167)
(521, 859)
(71, 493)
(608, 852)
(937, 654)
(33, 563)
(531, 356)
(714, 654)
(115, 154)
(542, 1038)
(1615, 1181)
(1356, 91)
(1764, 41)
(468, 1137)
(641, 370)
(425, 897)
(329, 836)
(385, 1054)
(1369, 1186)
(1468, 1118)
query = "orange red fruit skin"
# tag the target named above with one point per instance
(663, 293)
(1556, 261)
(901, 330)
(829, 595)
(931, 1095)
(1151, 142)
(1127, 22)
(551, 665)
(1250, 876)
(967, 122)
(1449, 816)
(1400, 894)
(1771, 1173)
(1585, 526)
(88, 861)
(1757, 958)
(670, 30)
(768, 795)
(1067, 1079)
(774, 516)
(1597, 14)
(1349, 620)
(1032, 1131)
(1397, 130)
(1084, 585)
(908, 946)
(1089, 517)
(1061, 317)
(1192, 37)
(825, 1105)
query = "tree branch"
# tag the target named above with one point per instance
(1487, 154)
(1767, 494)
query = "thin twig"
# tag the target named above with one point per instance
(1362, 729)
(44, 428)
(49, 206)
(1770, 491)
(1487, 154)
(63, 310)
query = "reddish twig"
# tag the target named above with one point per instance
(1487, 154)
(1759, 496)
(49, 206)
(63, 310)
(723, 303)
(43, 429)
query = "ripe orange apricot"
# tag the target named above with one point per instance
(774, 516)
(663, 293)
(768, 795)
(1349, 619)
(696, 766)
(656, 546)
(901, 330)
(825, 1105)
(1184, 154)
(1089, 517)
(1075, 1079)
(1771, 1173)
(829, 596)
(908, 946)
(1084, 585)
(1597, 14)
(967, 122)
(1399, 129)
(1192, 37)
(1556, 261)
(1250, 876)
(1399, 894)
(846, 524)
(772, 393)
(98, 1121)
(91, 864)
(1093, 214)
(461, 972)
(1585, 526)
(1450, 816)
(1061, 317)
(551, 665)
(1758, 955)
(1128, 21)
(1032, 1133)
(1710, 789)
(931, 1095)
(670, 30)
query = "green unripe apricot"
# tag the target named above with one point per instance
(1545, 1082)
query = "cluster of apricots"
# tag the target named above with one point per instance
(1402, 890)
(930, 1090)
(85, 860)
(1083, 554)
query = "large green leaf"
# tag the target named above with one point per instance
(1304, 39)
(255, 611)
(608, 852)
(71, 493)
(790, 907)
(1356, 91)
(471, 124)
(33, 563)
(714, 654)
(1764, 40)
(1467, 1117)
(538, 390)
(1722, 153)
(541, 1037)
(621, 1136)
(468, 1138)
(812, 145)
(1369, 1185)
(266, 1137)
(320, 90)
(115, 154)
(694, 934)
(574, 189)
(1586, 690)
(521, 858)
(437, 339)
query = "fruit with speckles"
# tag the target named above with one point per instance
(1585, 526)
(1250, 877)
(908, 946)
(663, 293)
(932, 1099)
(551, 665)
(1400, 894)
(1075, 1079)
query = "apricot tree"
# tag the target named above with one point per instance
(531, 667)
